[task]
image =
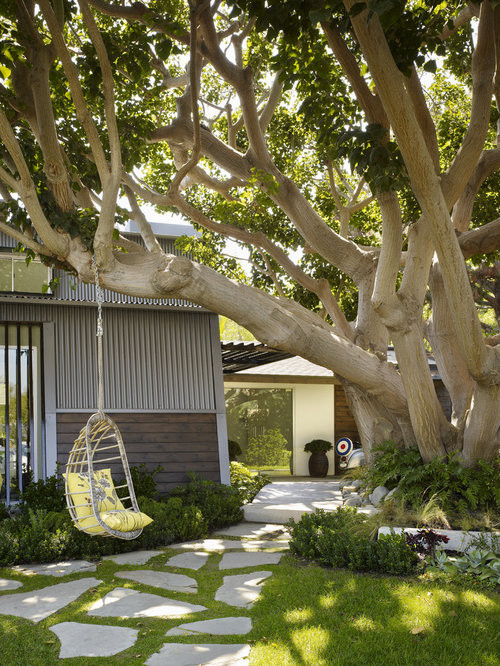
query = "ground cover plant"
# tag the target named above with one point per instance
(306, 616)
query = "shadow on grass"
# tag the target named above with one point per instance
(308, 615)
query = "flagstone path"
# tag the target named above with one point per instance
(80, 639)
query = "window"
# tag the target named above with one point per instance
(261, 422)
(22, 423)
(16, 276)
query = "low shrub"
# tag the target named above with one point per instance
(219, 504)
(247, 483)
(42, 495)
(306, 532)
(39, 535)
(333, 540)
(143, 481)
(457, 488)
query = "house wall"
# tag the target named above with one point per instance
(180, 443)
(162, 368)
(313, 414)
(313, 419)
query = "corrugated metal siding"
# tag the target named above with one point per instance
(71, 289)
(153, 359)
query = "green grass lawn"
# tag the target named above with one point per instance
(306, 615)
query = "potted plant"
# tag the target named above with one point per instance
(318, 462)
(234, 449)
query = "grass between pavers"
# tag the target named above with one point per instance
(306, 615)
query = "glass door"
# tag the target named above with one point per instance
(21, 408)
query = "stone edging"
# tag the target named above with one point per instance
(459, 540)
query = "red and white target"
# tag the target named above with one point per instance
(344, 446)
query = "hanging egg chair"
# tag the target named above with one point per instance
(91, 496)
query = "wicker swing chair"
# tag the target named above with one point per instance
(91, 496)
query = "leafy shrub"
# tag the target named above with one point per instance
(219, 504)
(331, 538)
(43, 536)
(143, 481)
(247, 483)
(306, 532)
(458, 488)
(270, 449)
(318, 446)
(43, 495)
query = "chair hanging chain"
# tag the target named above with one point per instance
(99, 334)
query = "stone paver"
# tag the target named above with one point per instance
(255, 531)
(39, 604)
(167, 581)
(90, 640)
(223, 626)
(123, 602)
(6, 584)
(221, 545)
(240, 560)
(194, 560)
(180, 654)
(56, 569)
(241, 590)
(138, 557)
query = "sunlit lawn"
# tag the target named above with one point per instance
(306, 615)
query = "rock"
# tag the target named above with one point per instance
(378, 494)
(241, 560)
(90, 640)
(353, 500)
(241, 590)
(193, 560)
(39, 604)
(56, 569)
(137, 557)
(357, 483)
(390, 494)
(196, 654)
(350, 489)
(368, 510)
(223, 626)
(8, 584)
(124, 602)
(167, 581)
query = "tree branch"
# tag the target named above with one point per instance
(427, 188)
(483, 69)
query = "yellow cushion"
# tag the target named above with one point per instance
(79, 488)
(125, 521)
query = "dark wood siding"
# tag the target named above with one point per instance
(345, 426)
(180, 443)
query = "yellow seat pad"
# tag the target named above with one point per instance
(108, 503)
(125, 521)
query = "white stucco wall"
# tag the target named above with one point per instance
(313, 418)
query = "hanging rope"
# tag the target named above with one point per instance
(99, 334)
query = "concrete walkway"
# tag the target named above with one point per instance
(280, 501)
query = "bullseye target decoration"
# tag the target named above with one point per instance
(344, 446)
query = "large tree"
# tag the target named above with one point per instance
(350, 147)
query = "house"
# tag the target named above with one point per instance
(162, 375)
(269, 391)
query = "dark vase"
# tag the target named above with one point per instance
(318, 464)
